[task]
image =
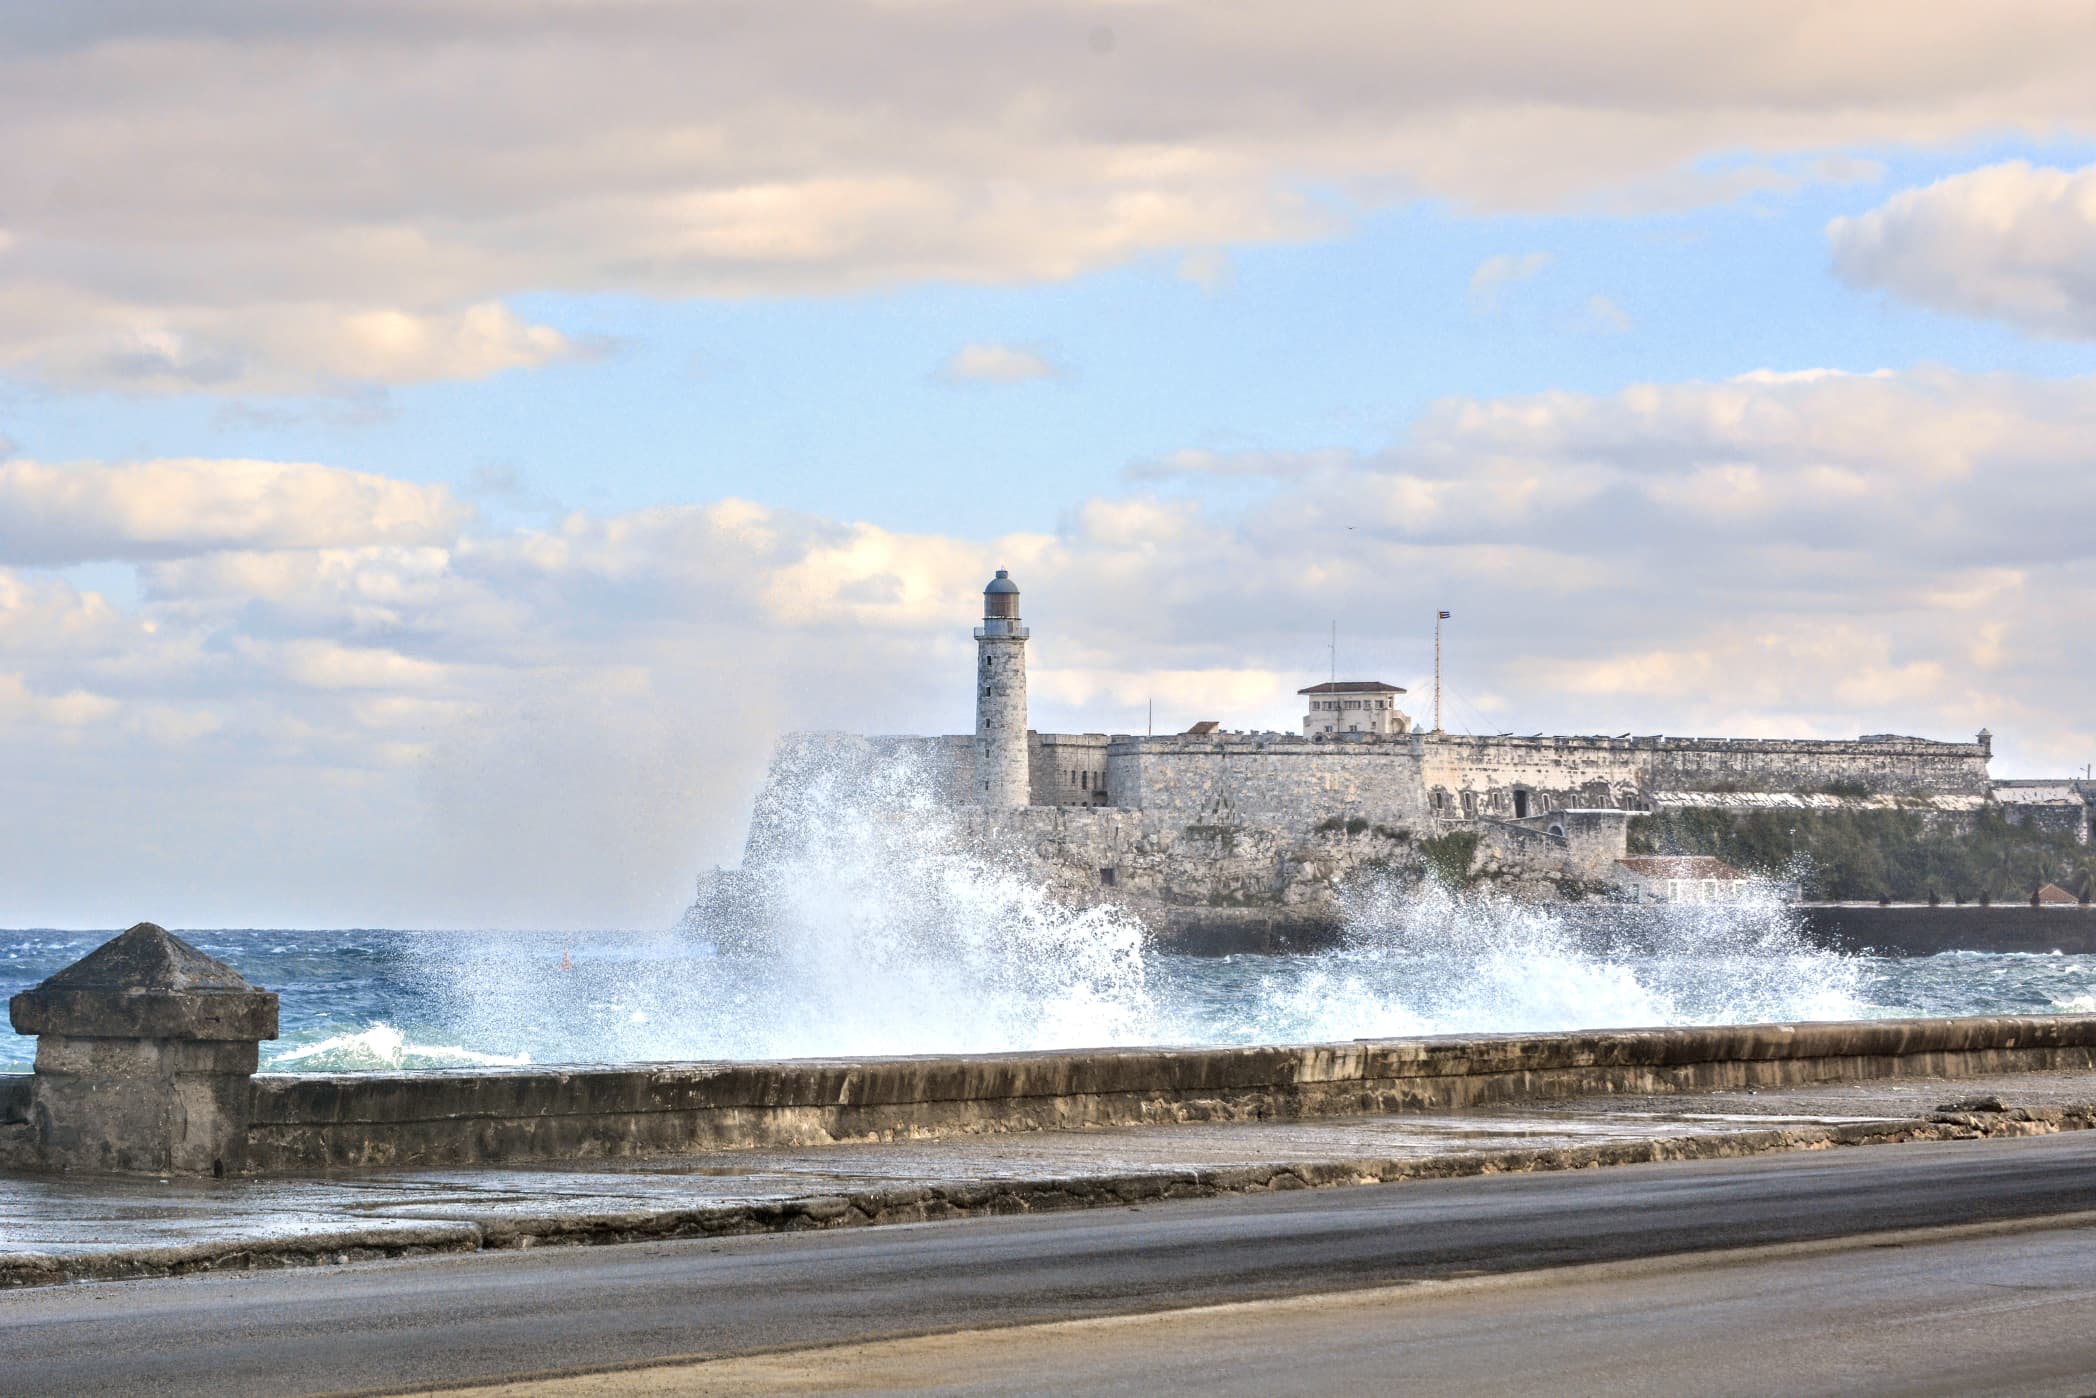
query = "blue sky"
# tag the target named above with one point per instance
(835, 404)
(620, 385)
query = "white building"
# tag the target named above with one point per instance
(1679, 878)
(1353, 706)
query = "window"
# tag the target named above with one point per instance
(1107, 876)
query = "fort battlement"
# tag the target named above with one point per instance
(1234, 819)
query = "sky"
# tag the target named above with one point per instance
(444, 444)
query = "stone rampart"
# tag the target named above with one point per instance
(1469, 775)
(1069, 769)
(1289, 783)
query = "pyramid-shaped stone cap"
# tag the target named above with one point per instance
(146, 984)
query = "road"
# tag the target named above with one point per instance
(449, 1320)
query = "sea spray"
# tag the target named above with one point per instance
(1426, 958)
(869, 918)
(874, 916)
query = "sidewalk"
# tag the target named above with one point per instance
(69, 1228)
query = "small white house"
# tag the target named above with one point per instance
(1353, 706)
(1679, 878)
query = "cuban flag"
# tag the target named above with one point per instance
(1444, 616)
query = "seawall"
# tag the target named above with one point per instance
(317, 1123)
(1912, 930)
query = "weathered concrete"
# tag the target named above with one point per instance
(370, 1120)
(183, 1102)
(144, 1061)
(81, 1228)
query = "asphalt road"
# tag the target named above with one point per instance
(2001, 1313)
(393, 1325)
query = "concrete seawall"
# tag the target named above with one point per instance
(354, 1121)
(147, 1048)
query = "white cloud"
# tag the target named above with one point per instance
(1605, 317)
(303, 194)
(2009, 242)
(1502, 270)
(85, 511)
(559, 725)
(999, 364)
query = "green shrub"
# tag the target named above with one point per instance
(1449, 857)
(1873, 854)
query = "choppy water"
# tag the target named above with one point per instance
(885, 930)
(371, 1000)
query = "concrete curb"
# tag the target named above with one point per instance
(434, 1232)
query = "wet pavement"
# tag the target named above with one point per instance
(79, 1227)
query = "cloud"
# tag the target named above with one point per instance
(2010, 242)
(77, 343)
(1604, 317)
(88, 511)
(397, 713)
(998, 364)
(1502, 270)
(1207, 268)
(290, 197)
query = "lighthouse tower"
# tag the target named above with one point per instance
(1001, 773)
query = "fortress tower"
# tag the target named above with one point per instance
(1002, 776)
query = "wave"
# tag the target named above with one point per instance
(382, 1047)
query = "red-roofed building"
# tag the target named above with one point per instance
(1679, 878)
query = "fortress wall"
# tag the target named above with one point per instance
(1069, 769)
(1287, 783)
(1891, 766)
(1479, 776)
(1571, 772)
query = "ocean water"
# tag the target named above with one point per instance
(364, 1000)
(868, 922)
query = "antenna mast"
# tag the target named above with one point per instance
(1439, 617)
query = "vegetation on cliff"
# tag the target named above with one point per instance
(1903, 855)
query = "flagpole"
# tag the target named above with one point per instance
(1437, 670)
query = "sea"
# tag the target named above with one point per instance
(369, 1000)
(867, 922)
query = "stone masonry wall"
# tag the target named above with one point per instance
(1471, 775)
(1271, 779)
(1069, 769)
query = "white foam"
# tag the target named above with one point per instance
(383, 1047)
(876, 927)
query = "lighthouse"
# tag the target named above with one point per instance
(1002, 778)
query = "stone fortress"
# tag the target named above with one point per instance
(1220, 828)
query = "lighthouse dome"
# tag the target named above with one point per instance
(1001, 598)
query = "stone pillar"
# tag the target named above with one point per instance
(145, 1058)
